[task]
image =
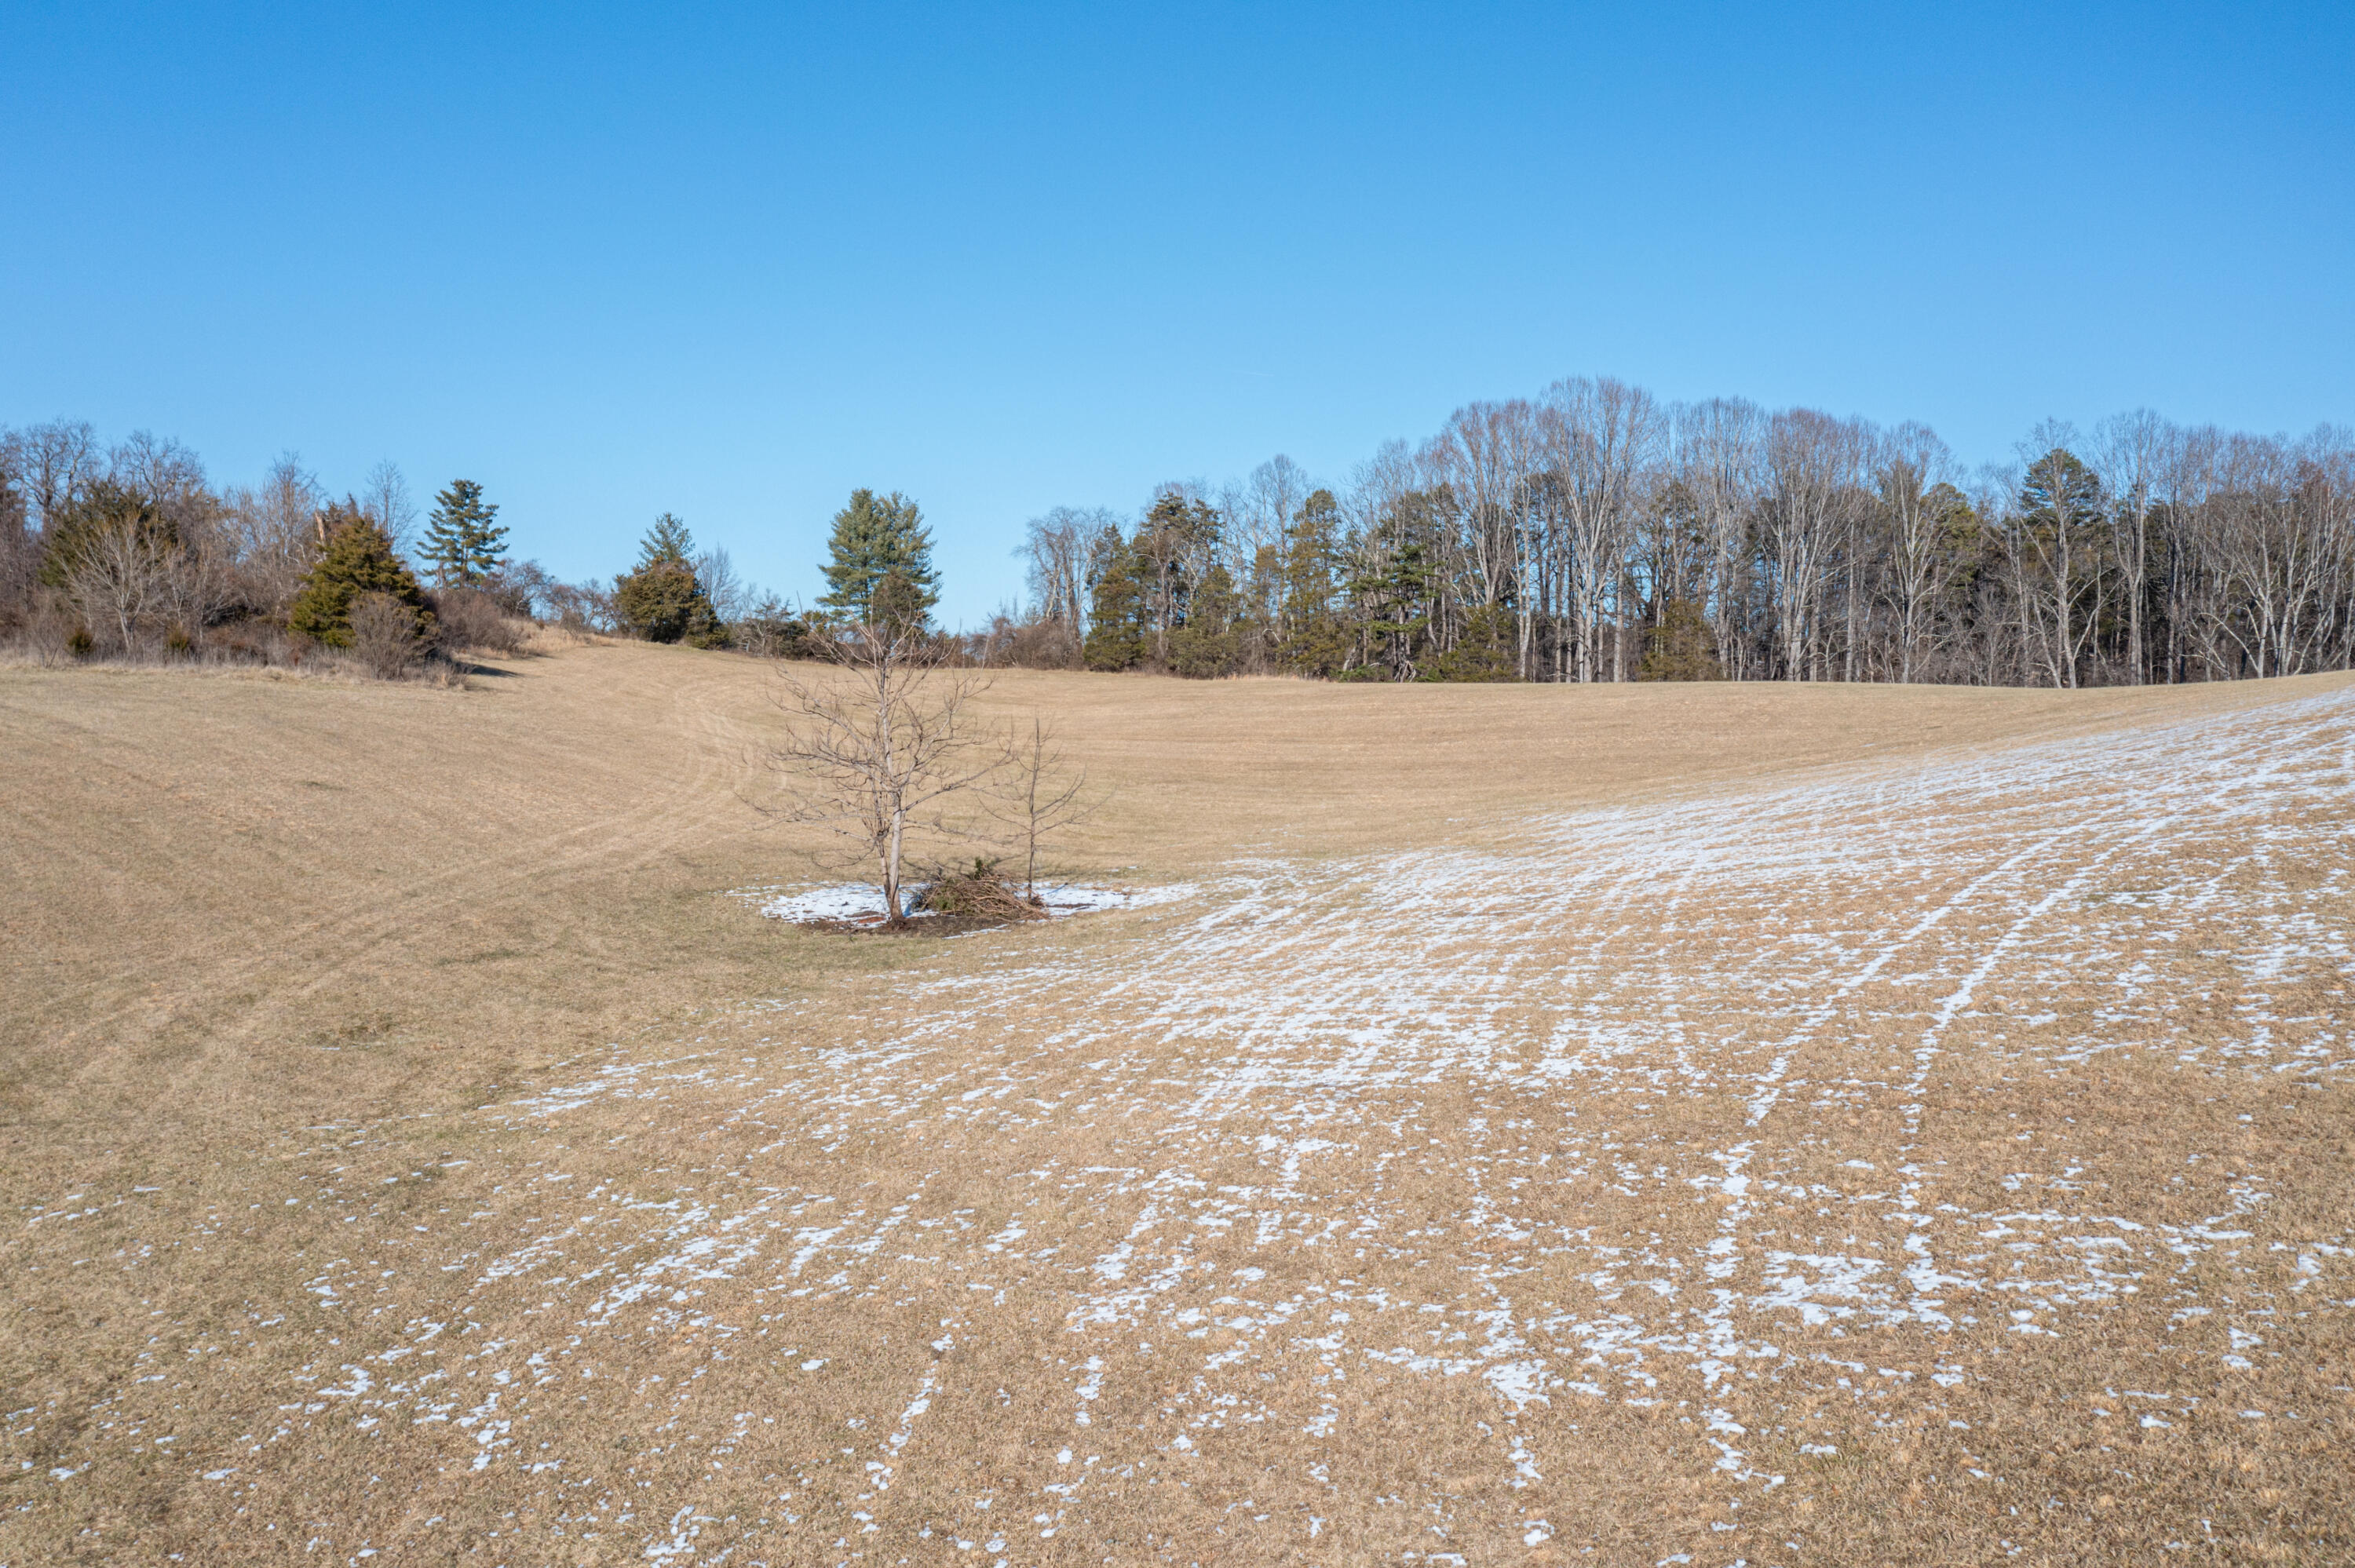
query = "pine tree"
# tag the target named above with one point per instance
(359, 559)
(876, 537)
(1207, 646)
(1116, 619)
(662, 600)
(1317, 641)
(1398, 620)
(461, 545)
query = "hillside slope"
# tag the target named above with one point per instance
(1555, 1116)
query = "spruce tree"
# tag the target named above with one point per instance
(662, 600)
(462, 543)
(359, 559)
(876, 537)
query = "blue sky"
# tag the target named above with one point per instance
(734, 261)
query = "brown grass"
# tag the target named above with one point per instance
(291, 965)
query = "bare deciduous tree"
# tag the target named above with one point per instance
(729, 595)
(875, 748)
(61, 458)
(1917, 516)
(385, 501)
(1039, 793)
(119, 575)
(277, 533)
(384, 636)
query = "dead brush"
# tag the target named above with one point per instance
(978, 892)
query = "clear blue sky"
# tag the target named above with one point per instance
(732, 261)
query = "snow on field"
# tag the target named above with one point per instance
(1671, 1104)
(862, 903)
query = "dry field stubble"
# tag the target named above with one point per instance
(1776, 1126)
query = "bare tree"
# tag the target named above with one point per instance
(729, 594)
(874, 749)
(277, 531)
(168, 475)
(385, 501)
(1039, 793)
(1918, 508)
(1601, 435)
(2131, 451)
(20, 547)
(120, 567)
(1720, 443)
(61, 458)
(384, 636)
(1816, 466)
(1057, 547)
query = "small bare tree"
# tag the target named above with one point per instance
(1038, 793)
(874, 749)
(386, 502)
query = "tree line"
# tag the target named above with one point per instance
(1593, 532)
(130, 552)
(1596, 532)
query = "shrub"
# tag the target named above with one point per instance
(385, 637)
(470, 618)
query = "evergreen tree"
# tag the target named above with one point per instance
(1207, 646)
(875, 537)
(1315, 641)
(1682, 647)
(462, 543)
(1397, 597)
(662, 600)
(2062, 522)
(667, 540)
(359, 559)
(1483, 649)
(1178, 537)
(1116, 619)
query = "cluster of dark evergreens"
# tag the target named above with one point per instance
(1595, 534)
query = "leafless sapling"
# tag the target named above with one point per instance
(1038, 793)
(875, 747)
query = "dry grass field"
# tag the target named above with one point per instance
(1701, 1124)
